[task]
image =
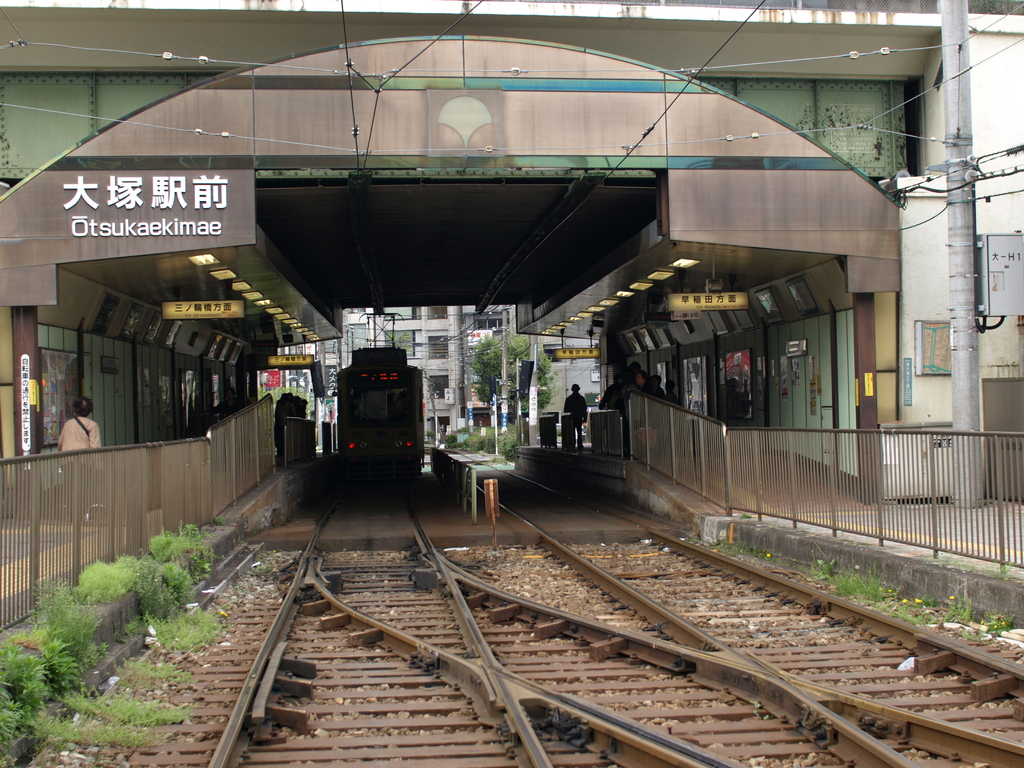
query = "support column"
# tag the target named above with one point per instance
(28, 417)
(864, 360)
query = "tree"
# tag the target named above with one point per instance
(486, 362)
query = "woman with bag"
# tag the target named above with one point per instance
(79, 432)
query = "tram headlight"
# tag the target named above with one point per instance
(398, 443)
(362, 444)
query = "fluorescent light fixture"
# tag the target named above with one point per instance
(252, 295)
(609, 302)
(275, 310)
(585, 314)
(262, 302)
(641, 285)
(684, 263)
(292, 321)
(223, 274)
(660, 274)
(595, 308)
(240, 285)
(624, 294)
(575, 318)
(283, 316)
(204, 259)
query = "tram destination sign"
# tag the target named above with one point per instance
(229, 309)
(678, 302)
(284, 361)
(577, 353)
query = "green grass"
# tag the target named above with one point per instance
(187, 631)
(860, 586)
(141, 675)
(959, 612)
(124, 709)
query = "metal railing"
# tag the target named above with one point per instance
(873, 6)
(955, 492)
(241, 451)
(458, 476)
(547, 430)
(606, 432)
(299, 440)
(60, 512)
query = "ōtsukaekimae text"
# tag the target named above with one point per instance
(161, 194)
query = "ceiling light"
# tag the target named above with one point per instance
(223, 274)
(291, 321)
(609, 302)
(585, 314)
(203, 259)
(253, 295)
(624, 294)
(684, 263)
(283, 316)
(575, 318)
(660, 274)
(240, 285)
(263, 302)
(595, 308)
(641, 285)
(275, 310)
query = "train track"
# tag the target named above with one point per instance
(843, 655)
(408, 659)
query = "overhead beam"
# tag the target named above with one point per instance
(359, 212)
(575, 196)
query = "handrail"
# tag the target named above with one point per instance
(103, 503)
(942, 490)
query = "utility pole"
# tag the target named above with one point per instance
(455, 354)
(504, 371)
(960, 241)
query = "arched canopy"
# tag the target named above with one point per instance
(460, 170)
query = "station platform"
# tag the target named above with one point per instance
(616, 485)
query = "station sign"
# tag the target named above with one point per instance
(658, 319)
(578, 353)
(225, 309)
(285, 361)
(708, 301)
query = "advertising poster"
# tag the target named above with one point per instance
(784, 377)
(695, 391)
(59, 386)
(739, 402)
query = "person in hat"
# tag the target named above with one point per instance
(576, 406)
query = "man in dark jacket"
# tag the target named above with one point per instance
(576, 406)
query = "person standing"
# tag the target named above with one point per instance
(79, 432)
(282, 411)
(229, 406)
(670, 392)
(576, 406)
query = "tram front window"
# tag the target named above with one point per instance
(380, 406)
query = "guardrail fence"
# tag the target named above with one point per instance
(299, 440)
(955, 492)
(605, 432)
(59, 512)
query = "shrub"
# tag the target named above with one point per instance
(185, 548)
(156, 601)
(507, 443)
(103, 582)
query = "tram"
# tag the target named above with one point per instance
(380, 416)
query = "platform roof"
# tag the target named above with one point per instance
(434, 172)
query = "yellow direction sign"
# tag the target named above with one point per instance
(200, 310)
(576, 353)
(281, 361)
(678, 302)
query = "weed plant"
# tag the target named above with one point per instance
(141, 675)
(860, 586)
(186, 549)
(187, 631)
(59, 617)
(960, 612)
(105, 582)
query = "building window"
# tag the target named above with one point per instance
(437, 347)
(438, 384)
(437, 313)
(407, 341)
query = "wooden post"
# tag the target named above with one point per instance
(493, 511)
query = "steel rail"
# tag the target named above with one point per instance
(228, 746)
(884, 721)
(979, 663)
(722, 668)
